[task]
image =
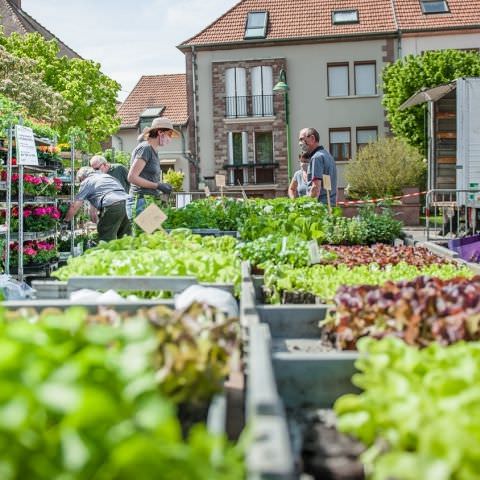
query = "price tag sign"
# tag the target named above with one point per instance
(327, 182)
(220, 180)
(151, 218)
(207, 192)
(26, 148)
(284, 245)
(314, 252)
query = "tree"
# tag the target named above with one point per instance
(20, 82)
(91, 94)
(401, 166)
(412, 73)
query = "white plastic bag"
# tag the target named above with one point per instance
(215, 297)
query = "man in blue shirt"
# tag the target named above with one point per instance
(321, 163)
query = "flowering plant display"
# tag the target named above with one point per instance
(35, 252)
(35, 219)
(35, 185)
(49, 149)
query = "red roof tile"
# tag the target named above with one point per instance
(462, 13)
(304, 19)
(155, 90)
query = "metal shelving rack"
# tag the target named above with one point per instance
(21, 237)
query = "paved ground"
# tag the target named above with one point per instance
(418, 234)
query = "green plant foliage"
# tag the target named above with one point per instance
(279, 250)
(10, 112)
(412, 73)
(116, 156)
(419, 411)
(175, 179)
(324, 281)
(81, 401)
(381, 228)
(401, 166)
(21, 82)
(90, 93)
(209, 259)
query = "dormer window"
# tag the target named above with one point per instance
(434, 6)
(256, 25)
(344, 16)
(148, 115)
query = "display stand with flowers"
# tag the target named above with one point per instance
(30, 211)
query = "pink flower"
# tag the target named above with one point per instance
(27, 213)
(45, 246)
(29, 251)
(39, 211)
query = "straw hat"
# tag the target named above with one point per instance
(159, 122)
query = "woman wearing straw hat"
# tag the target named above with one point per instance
(144, 173)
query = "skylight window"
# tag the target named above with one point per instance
(434, 6)
(256, 25)
(344, 16)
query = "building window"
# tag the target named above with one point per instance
(365, 78)
(147, 116)
(237, 156)
(366, 135)
(344, 16)
(256, 25)
(434, 6)
(338, 83)
(263, 147)
(264, 171)
(236, 92)
(262, 91)
(340, 143)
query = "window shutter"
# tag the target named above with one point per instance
(230, 147)
(244, 147)
(338, 81)
(340, 137)
(365, 82)
(365, 136)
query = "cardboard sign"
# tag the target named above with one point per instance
(207, 192)
(150, 219)
(26, 148)
(314, 252)
(220, 180)
(327, 182)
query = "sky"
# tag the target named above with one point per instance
(129, 38)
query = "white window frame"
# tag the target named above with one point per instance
(341, 17)
(441, 3)
(262, 85)
(236, 88)
(257, 30)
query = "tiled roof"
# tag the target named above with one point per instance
(155, 90)
(14, 19)
(307, 19)
(462, 13)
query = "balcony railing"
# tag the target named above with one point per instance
(251, 173)
(249, 106)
